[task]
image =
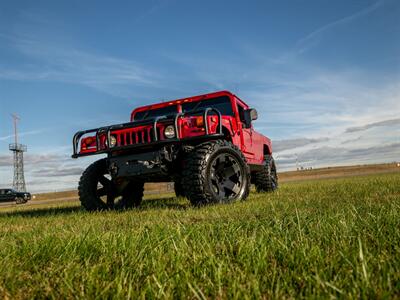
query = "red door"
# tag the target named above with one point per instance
(246, 134)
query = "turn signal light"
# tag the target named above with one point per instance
(199, 121)
(88, 142)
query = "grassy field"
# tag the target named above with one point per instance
(289, 176)
(320, 239)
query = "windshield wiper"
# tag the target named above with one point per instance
(145, 115)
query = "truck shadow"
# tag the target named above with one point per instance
(165, 203)
(41, 212)
(149, 204)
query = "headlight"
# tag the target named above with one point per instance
(169, 132)
(113, 141)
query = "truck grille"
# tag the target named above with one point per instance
(135, 136)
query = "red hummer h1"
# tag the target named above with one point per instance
(205, 144)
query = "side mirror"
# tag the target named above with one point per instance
(249, 116)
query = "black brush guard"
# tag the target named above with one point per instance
(154, 122)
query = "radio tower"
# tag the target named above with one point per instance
(18, 150)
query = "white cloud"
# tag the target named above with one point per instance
(311, 39)
(385, 123)
(49, 171)
(11, 136)
(53, 62)
(290, 144)
(377, 144)
(324, 156)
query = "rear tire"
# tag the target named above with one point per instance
(216, 172)
(20, 200)
(267, 179)
(98, 192)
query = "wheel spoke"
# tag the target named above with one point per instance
(219, 169)
(107, 190)
(101, 192)
(221, 191)
(232, 170)
(105, 182)
(232, 186)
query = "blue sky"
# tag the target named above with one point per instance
(324, 75)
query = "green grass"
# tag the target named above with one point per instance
(319, 239)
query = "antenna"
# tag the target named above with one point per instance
(16, 119)
(18, 150)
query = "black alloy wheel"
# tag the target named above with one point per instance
(215, 172)
(97, 190)
(107, 191)
(226, 176)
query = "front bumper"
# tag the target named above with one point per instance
(144, 164)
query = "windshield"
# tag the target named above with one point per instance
(223, 104)
(153, 113)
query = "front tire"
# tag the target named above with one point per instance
(216, 172)
(97, 191)
(267, 179)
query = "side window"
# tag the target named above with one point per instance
(241, 112)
